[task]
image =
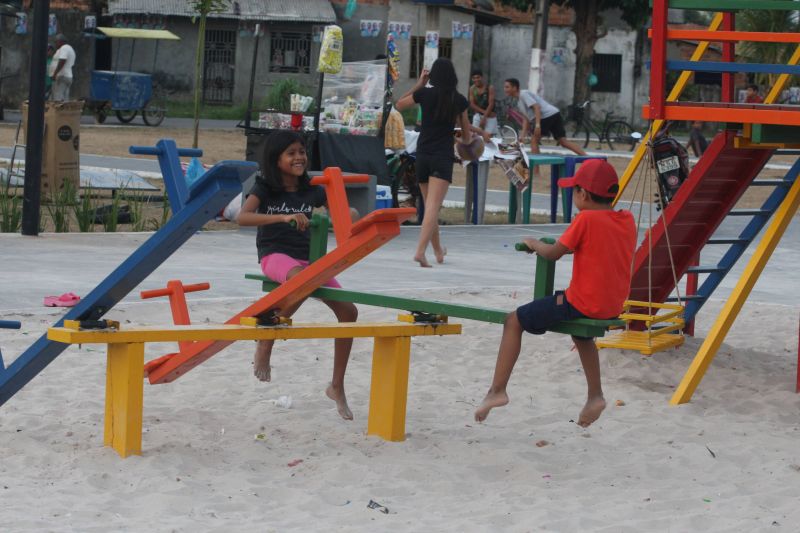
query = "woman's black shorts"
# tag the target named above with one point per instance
(432, 165)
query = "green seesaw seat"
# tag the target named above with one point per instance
(543, 286)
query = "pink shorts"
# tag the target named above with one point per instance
(277, 266)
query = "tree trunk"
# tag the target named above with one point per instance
(585, 28)
(198, 74)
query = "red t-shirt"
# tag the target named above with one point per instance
(754, 99)
(603, 242)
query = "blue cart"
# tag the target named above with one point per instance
(123, 92)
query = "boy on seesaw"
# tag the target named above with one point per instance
(603, 241)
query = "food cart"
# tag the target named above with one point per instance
(127, 93)
(344, 128)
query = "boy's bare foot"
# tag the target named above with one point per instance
(440, 255)
(423, 262)
(261, 367)
(337, 395)
(492, 400)
(591, 411)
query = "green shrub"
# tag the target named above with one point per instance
(84, 211)
(278, 96)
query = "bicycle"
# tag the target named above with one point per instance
(612, 130)
(509, 120)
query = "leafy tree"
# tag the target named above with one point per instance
(777, 53)
(203, 8)
(586, 25)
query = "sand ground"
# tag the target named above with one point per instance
(728, 461)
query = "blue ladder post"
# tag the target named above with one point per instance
(570, 162)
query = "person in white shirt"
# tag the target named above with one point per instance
(64, 60)
(545, 117)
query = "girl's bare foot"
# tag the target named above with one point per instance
(492, 400)
(423, 262)
(440, 255)
(261, 367)
(337, 395)
(591, 411)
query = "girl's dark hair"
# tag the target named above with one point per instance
(269, 174)
(444, 80)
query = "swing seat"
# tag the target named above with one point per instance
(660, 328)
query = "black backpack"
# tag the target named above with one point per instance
(671, 163)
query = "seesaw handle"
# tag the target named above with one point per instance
(9, 324)
(354, 178)
(155, 293)
(154, 150)
(522, 247)
(313, 223)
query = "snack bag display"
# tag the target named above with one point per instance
(330, 54)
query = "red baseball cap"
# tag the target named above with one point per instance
(595, 176)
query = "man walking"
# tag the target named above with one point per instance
(62, 74)
(545, 117)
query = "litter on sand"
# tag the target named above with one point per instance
(375, 505)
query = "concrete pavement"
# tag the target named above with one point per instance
(479, 258)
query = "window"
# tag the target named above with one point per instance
(608, 69)
(220, 64)
(290, 51)
(418, 53)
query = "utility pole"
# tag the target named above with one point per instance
(34, 134)
(540, 12)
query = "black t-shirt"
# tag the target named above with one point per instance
(436, 137)
(282, 238)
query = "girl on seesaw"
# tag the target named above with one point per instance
(283, 194)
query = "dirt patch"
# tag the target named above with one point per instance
(217, 144)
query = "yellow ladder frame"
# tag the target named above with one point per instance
(673, 96)
(747, 130)
(754, 268)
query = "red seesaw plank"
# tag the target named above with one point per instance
(367, 235)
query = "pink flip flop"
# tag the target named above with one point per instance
(68, 299)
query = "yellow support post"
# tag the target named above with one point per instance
(674, 94)
(776, 229)
(771, 98)
(783, 79)
(389, 388)
(124, 392)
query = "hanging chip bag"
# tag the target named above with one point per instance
(330, 54)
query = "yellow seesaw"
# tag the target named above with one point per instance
(125, 367)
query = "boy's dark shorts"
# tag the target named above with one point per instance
(538, 316)
(431, 165)
(553, 125)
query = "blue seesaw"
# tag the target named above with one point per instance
(7, 324)
(191, 207)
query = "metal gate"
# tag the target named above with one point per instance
(220, 57)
